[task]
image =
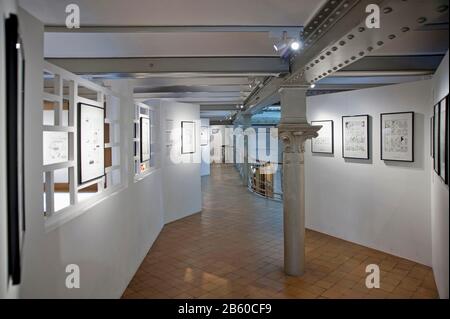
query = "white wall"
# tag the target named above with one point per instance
(205, 168)
(439, 198)
(383, 205)
(109, 240)
(181, 173)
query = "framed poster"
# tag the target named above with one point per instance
(188, 137)
(355, 136)
(324, 143)
(91, 147)
(55, 147)
(397, 136)
(15, 84)
(145, 138)
(431, 136)
(436, 139)
(443, 147)
(204, 134)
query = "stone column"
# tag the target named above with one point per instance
(294, 130)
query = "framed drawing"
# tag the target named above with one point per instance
(436, 139)
(204, 134)
(324, 143)
(431, 136)
(355, 136)
(443, 146)
(145, 138)
(55, 147)
(14, 91)
(397, 136)
(91, 147)
(188, 137)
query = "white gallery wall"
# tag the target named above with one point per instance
(181, 173)
(439, 198)
(205, 169)
(107, 241)
(379, 204)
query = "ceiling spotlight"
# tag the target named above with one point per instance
(242, 106)
(295, 45)
(313, 85)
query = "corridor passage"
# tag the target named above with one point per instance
(234, 249)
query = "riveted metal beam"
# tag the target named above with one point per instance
(340, 37)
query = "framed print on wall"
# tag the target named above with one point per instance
(145, 138)
(397, 136)
(15, 179)
(55, 147)
(91, 147)
(355, 137)
(324, 143)
(204, 134)
(443, 141)
(436, 139)
(188, 137)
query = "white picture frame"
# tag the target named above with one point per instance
(145, 139)
(204, 135)
(91, 144)
(55, 147)
(355, 137)
(397, 136)
(324, 143)
(188, 137)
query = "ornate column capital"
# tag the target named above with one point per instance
(294, 135)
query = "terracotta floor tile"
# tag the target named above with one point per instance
(234, 249)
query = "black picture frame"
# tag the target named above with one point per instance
(332, 137)
(382, 138)
(80, 180)
(367, 132)
(431, 137)
(444, 151)
(183, 123)
(141, 157)
(15, 179)
(436, 165)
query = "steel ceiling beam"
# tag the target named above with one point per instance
(175, 29)
(183, 66)
(338, 36)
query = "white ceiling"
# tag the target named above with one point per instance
(177, 12)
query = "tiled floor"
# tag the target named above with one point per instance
(234, 249)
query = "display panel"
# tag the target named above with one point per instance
(91, 147)
(145, 139)
(187, 137)
(324, 143)
(355, 136)
(204, 135)
(55, 147)
(397, 136)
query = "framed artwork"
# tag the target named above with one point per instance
(204, 134)
(431, 136)
(91, 147)
(324, 143)
(355, 137)
(145, 138)
(188, 137)
(15, 84)
(397, 136)
(56, 147)
(436, 139)
(443, 140)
